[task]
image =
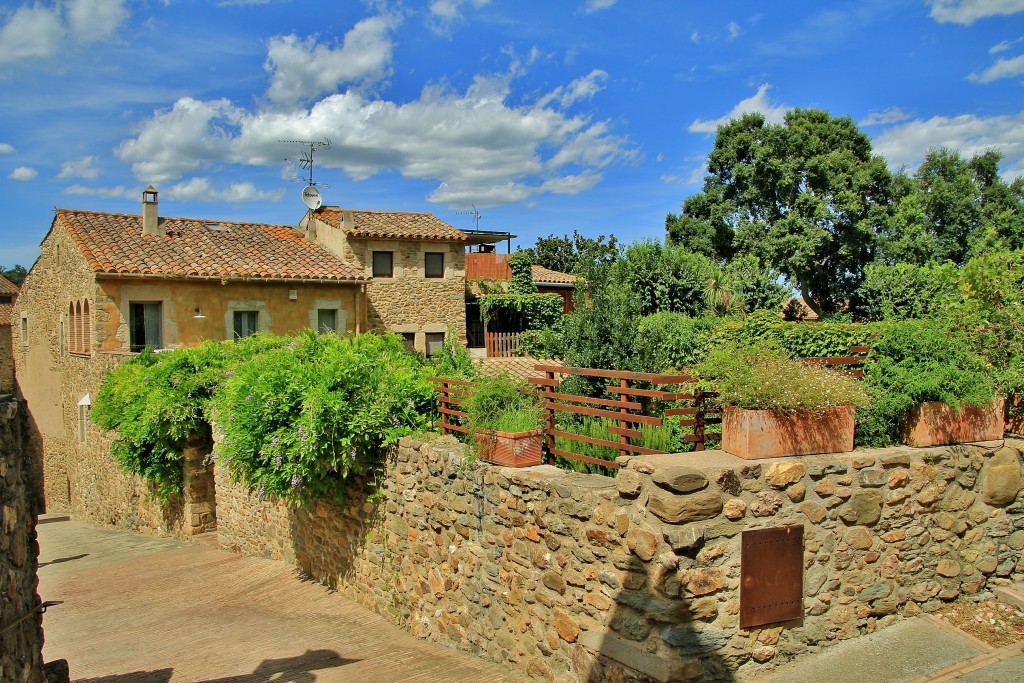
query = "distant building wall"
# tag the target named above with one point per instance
(6, 359)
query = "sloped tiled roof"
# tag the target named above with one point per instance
(520, 367)
(114, 243)
(542, 274)
(7, 289)
(390, 225)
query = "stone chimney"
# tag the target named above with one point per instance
(150, 218)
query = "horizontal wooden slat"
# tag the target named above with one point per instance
(451, 401)
(542, 381)
(445, 380)
(860, 349)
(447, 411)
(680, 411)
(833, 360)
(608, 403)
(617, 374)
(623, 431)
(585, 458)
(597, 412)
(653, 393)
(457, 428)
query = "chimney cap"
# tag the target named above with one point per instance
(149, 194)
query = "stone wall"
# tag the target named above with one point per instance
(6, 359)
(21, 647)
(575, 577)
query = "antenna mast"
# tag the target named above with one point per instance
(310, 195)
(475, 214)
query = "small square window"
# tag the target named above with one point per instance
(435, 343)
(383, 265)
(409, 340)
(326, 320)
(144, 326)
(433, 264)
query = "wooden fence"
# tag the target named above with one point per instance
(501, 344)
(630, 409)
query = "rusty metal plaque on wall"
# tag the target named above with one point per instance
(771, 575)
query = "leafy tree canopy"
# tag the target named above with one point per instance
(577, 255)
(15, 274)
(807, 196)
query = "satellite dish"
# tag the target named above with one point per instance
(311, 197)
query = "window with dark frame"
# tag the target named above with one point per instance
(246, 323)
(326, 320)
(144, 326)
(409, 340)
(383, 264)
(433, 264)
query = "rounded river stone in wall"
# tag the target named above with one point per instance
(676, 509)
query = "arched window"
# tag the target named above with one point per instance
(77, 331)
(72, 326)
(86, 329)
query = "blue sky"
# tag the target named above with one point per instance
(548, 115)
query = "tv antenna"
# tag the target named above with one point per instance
(474, 213)
(310, 194)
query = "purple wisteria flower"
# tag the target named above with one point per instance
(278, 460)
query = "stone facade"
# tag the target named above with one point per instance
(21, 647)
(6, 359)
(575, 577)
(59, 380)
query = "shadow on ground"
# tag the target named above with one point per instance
(298, 669)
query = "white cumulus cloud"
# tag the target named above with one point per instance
(597, 5)
(476, 145)
(907, 143)
(758, 102)
(1003, 68)
(6, 148)
(884, 117)
(23, 173)
(583, 88)
(202, 190)
(445, 15)
(119, 191)
(42, 31)
(967, 12)
(303, 69)
(80, 168)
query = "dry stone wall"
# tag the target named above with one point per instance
(575, 577)
(21, 630)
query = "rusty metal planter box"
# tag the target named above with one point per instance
(511, 449)
(753, 434)
(935, 424)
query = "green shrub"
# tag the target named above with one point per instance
(801, 340)
(766, 378)
(917, 361)
(904, 291)
(667, 341)
(498, 404)
(299, 420)
(154, 402)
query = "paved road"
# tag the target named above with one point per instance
(145, 610)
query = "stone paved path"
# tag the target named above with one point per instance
(145, 610)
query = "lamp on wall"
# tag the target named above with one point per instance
(199, 314)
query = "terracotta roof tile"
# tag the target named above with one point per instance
(190, 247)
(521, 367)
(389, 224)
(6, 314)
(542, 274)
(7, 287)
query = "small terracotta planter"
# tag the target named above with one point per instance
(754, 434)
(934, 424)
(1015, 414)
(511, 449)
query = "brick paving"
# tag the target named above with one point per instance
(145, 610)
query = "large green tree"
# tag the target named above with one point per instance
(952, 208)
(577, 254)
(807, 196)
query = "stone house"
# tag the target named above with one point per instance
(107, 285)
(8, 293)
